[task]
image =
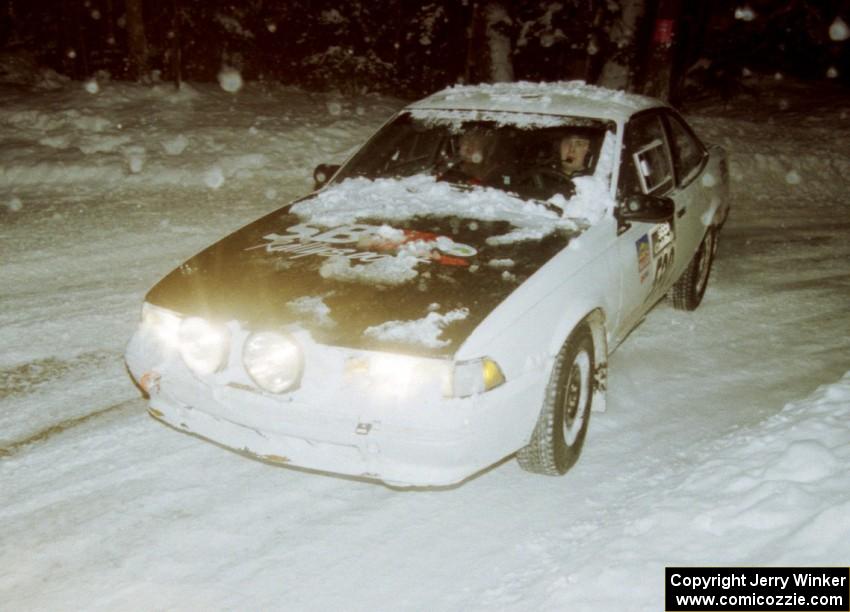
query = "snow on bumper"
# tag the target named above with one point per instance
(422, 440)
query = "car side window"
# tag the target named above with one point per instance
(646, 166)
(688, 152)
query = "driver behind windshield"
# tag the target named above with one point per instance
(473, 150)
(573, 154)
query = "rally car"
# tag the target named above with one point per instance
(447, 297)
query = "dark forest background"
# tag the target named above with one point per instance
(671, 48)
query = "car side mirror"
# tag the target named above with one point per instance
(323, 173)
(646, 209)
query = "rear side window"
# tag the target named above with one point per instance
(646, 165)
(688, 152)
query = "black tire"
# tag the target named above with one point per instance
(562, 425)
(687, 292)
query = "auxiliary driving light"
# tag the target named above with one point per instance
(203, 345)
(273, 360)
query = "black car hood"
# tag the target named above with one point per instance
(255, 274)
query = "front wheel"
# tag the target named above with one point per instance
(687, 292)
(562, 425)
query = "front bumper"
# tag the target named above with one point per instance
(422, 440)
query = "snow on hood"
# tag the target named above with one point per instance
(394, 199)
(398, 199)
(425, 331)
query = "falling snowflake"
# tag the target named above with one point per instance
(176, 145)
(334, 108)
(230, 79)
(214, 177)
(745, 13)
(839, 31)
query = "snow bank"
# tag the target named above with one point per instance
(779, 478)
(792, 149)
(70, 135)
(773, 494)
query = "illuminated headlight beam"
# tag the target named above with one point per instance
(163, 323)
(203, 346)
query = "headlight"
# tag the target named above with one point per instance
(273, 360)
(203, 345)
(402, 376)
(475, 376)
(165, 324)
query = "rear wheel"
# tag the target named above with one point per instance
(562, 425)
(687, 292)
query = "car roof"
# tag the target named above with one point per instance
(574, 98)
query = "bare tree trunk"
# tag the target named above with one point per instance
(616, 73)
(475, 47)
(488, 57)
(660, 67)
(136, 41)
(499, 43)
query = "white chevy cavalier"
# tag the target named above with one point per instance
(450, 296)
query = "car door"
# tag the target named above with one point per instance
(693, 198)
(646, 251)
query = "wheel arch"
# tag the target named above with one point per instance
(595, 323)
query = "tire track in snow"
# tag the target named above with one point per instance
(45, 434)
(27, 377)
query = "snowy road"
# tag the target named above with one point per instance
(695, 461)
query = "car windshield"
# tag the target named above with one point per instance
(531, 158)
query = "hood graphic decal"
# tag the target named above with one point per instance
(371, 243)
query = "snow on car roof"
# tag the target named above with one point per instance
(559, 98)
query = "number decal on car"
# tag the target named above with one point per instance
(663, 252)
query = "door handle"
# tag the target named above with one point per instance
(681, 212)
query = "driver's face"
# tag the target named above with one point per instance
(574, 153)
(472, 148)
